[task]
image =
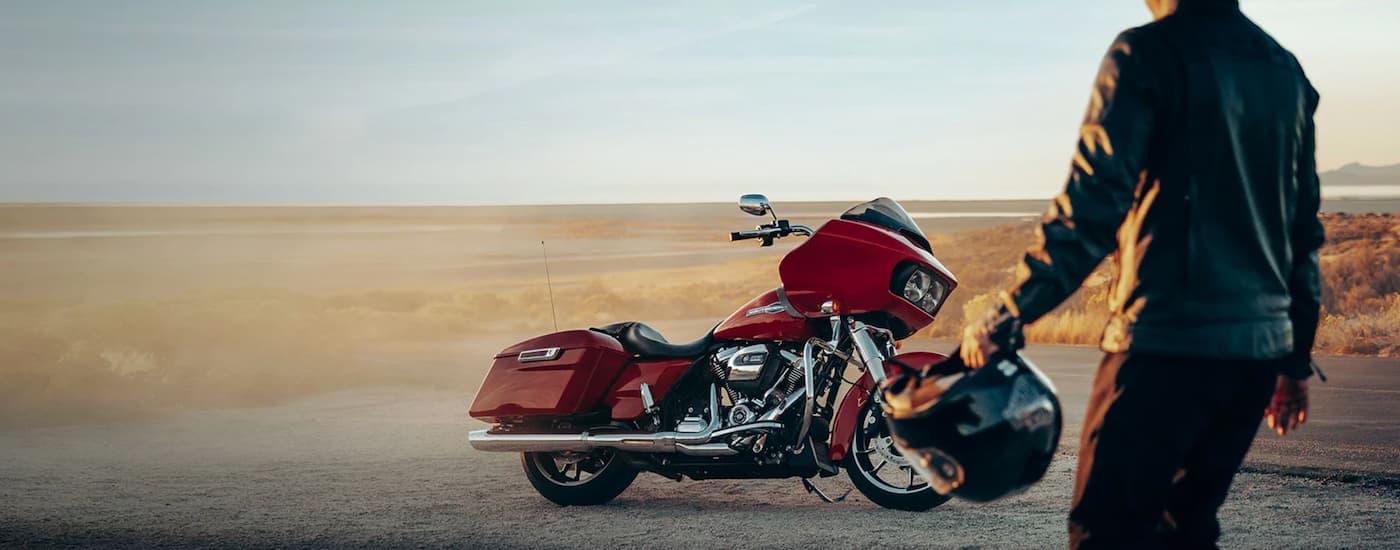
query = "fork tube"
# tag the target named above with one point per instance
(808, 387)
(869, 351)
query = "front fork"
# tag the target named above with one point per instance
(872, 355)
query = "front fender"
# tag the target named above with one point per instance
(843, 429)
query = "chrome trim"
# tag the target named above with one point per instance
(783, 299)
(787, 403)
(889, 337)
(802, 229)
(706, 449)
(755, 204)
(690, 425)
(746, 372)
(697, 444)
(775, 307)
(869, 351)
(648, 402)
(539, 355)
(790, 358)
(761, 425)
(807, 388)
(799, 393)
(483, 440)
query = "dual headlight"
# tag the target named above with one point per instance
(920, 287)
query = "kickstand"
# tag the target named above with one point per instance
(811, 488)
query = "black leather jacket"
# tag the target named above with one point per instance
(1195, 164)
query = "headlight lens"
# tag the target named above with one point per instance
(917, 286)
(923, 289)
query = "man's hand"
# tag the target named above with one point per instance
(1289, 408)
(977, 345)
(1001, 327)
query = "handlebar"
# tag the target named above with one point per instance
(770, 232)
(744, 235)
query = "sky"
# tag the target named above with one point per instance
(510, 102)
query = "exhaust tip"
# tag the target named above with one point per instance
(484, 440)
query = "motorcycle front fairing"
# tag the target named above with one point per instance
(853, 262)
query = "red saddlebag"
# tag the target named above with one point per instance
(554, 375)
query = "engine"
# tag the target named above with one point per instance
(762, 385)
(756, 378)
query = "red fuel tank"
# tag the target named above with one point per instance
(767, 317)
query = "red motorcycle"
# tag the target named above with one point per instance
(760, 396)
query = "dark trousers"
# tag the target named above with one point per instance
(1162, 440)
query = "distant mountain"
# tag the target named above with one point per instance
(1360, 174)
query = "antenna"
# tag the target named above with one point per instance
(550, 285)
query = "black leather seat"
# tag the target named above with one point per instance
(645, 342)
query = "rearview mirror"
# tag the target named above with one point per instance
(755, 204)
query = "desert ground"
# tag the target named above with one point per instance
(260, 377)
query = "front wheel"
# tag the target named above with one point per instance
(881, 473)
(570, 478)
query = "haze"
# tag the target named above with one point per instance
(562, 102)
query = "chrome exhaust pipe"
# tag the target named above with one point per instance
(484, 440)
(689, 443)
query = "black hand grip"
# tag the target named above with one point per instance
(742, 235)
(1007, 333)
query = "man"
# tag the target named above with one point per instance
(1195, 164)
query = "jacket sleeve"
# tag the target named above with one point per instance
(1079, 229)
(1304, 284)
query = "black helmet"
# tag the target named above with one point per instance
(978, 434)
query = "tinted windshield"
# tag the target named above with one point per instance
(885, 212)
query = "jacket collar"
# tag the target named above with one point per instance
(1207, 6)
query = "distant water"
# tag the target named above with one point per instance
(1361, 191)
(963, 215)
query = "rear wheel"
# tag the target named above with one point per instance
(571, 478)
(881, 473)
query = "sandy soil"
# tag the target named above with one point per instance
(379, 468)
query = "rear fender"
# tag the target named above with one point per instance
(843, 430)
(625, 396)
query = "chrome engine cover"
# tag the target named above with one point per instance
(744, 411)
(690, 425)
(747, 362)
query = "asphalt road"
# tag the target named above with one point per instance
(391, 468)
(1353, 427)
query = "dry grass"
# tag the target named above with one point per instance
(1360, 271)
(1361, 285)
